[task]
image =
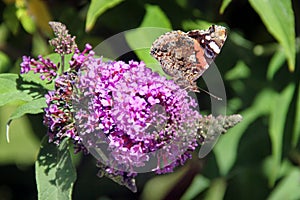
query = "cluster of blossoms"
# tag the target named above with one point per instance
(141, 116)
(45, 67)
(129, 118)
(133, 120)
(59, 111)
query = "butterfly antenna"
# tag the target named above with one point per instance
(210, 94)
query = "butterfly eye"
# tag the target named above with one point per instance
(209, 53)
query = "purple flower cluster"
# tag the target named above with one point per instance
(137, 113)
(58, 115)
(59, 111)
(130, 118)
(45, 67)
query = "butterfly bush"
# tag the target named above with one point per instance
(129, 118)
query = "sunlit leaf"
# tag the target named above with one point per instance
(34, 79)
(278, 113)
(39, 45)
(9, 92)
(55, 173)
(217, 189)
(26, 20)
(199, 184)
(278, 17)
(275, 63)
(96, 8)
(162, 184)
(296, 132)
(38, 10)
(195, 24)
(288, 187)
(24, 144)
(32, 107)
(154, 24)
(224, 5)
(227, 147)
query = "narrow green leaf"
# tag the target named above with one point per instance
(278, 17)
(26, 20)
(288, 187)
(227, 147)
(154, 24)
(199, 184)
(296, 132)
(217, 190)
(275, 63)
(162, 184)
(32, 107)
(224, 5)
(276, 128)
(96, 8)
(55, 173)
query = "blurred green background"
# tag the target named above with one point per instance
(259, 63)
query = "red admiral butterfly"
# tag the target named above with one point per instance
(186, 56)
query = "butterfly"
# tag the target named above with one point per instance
(186, 55)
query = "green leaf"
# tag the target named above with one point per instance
(32, 107)
(278, 113)
(276, 62)
(26, 20)
(227, 147)
(155, 17)
(224, 5)
(163, 184)
(8, 90)
(278, 17)
(154, 24)
(217, 189)
(13, 97)
(96, 8)
(296, 132)
(199, 184)
(55, 173)
(24, 144)
(8, 82)
(39, 45)
(195, 24)
(288, 187)
(4, 62)
(34, 78)
(239, 71)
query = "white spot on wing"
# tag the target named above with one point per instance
(214, 47)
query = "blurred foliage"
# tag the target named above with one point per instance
(258, 159)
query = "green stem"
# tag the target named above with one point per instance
(62, 64)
